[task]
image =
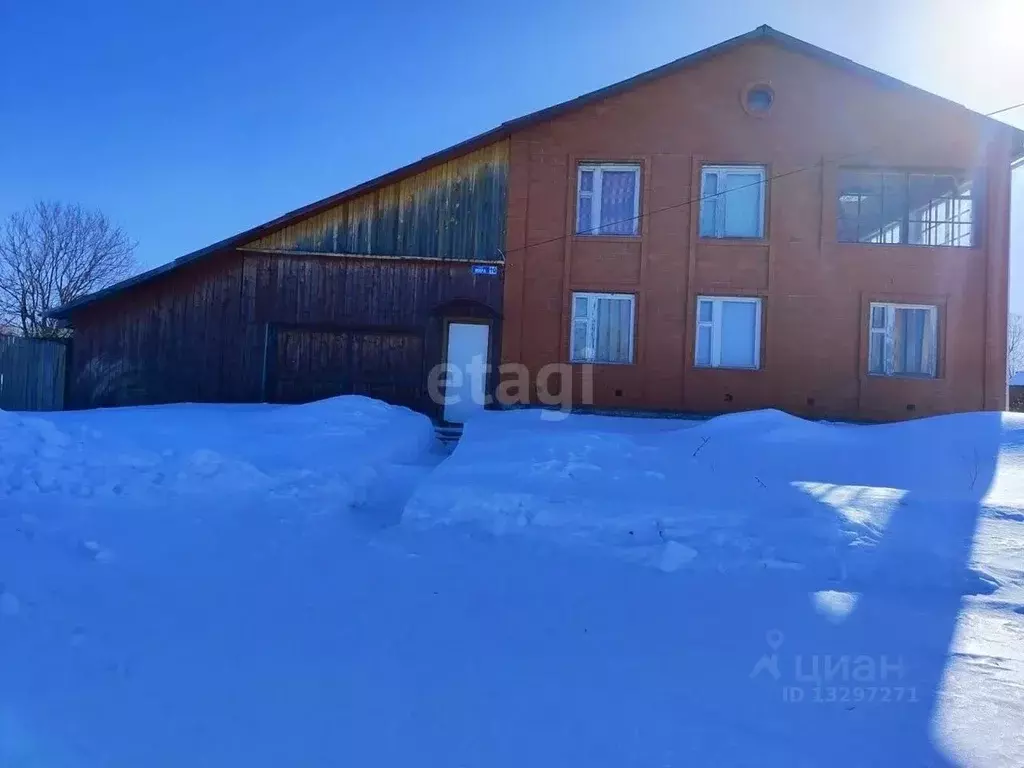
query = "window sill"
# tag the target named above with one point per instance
(608, 238)
(911, 246)
(596, 362)
(733, 241)
(726, 368)
(902, 376)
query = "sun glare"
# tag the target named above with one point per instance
(979, 59)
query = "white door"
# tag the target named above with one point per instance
(466, 382)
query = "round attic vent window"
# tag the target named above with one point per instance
(758, 99)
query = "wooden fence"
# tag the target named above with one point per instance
(1016, 398)
(32, 374)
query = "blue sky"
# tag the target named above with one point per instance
(188, 121)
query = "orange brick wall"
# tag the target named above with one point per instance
(815, 290)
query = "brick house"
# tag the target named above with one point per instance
(866, 279)
(759, 224)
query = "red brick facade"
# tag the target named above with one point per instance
(815, 291)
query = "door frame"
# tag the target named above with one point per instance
(446, 321)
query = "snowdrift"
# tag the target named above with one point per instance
(336, 444)
(760, 490)
(211, 586)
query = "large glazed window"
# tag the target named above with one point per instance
(732, 201)
(602, 328)
(608, 199)
(906, 208)
(903, 340)
(728, 332)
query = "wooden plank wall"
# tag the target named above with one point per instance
(311, 364)
(383, 318)
(358, 292)
(32, 374)
(211, 332)
(176, 340)
(455, 210)
(206, 332)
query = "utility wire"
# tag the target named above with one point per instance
(691, 201)
(1004, 109)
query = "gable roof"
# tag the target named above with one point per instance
(763, 33)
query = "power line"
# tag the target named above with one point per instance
(1004, 109)
(686, 203)
(821, 163)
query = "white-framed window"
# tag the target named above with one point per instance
(602, 328)
(732, 201)
(608, 199)
(903, 339)
(728, 332)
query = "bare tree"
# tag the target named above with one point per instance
(52, 253)
(1015, 345)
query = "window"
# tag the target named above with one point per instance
(758, 100)
(732, 201)
(608, 200)
(728, 332)
(903, 340)
(902, 208)
(602, 328)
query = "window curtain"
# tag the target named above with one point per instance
(731, 203)
(929, 342)
(618, 200)
(892, 347)
(581, 328)
(877, 340)
(910, 335)
(876, 353)
(705, 317)
(911, 342)
(613, 328)
(584, 215)
(738, 334)
(585, 203)
(742, 203)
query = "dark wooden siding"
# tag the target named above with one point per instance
(357, 292)
(177, 339)
(32, 374)
(455, 210)
(343, 325)
(310, 364)
(350, 300)
(277, 327)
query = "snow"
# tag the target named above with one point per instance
(892, 504)
(334, 445)
(320, 585)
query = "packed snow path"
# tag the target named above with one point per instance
(217, 586)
